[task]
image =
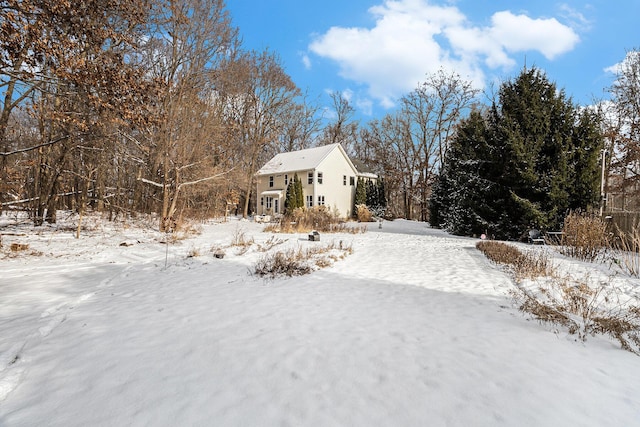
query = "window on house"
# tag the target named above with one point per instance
(271, 181)
(309, 201)
(319, 177)
(344, 179)
(286, 180)
(310, 178)
(320, 200)
(275, 210)
(352, 180)
(269, 202)
(261, 201)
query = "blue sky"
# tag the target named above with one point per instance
(374, 51)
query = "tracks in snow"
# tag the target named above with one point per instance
(12, 363)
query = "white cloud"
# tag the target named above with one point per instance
(412, 38)
(306, 61)
(519, 33)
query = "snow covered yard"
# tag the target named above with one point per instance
(415, 328)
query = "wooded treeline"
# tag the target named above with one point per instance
(154, 106)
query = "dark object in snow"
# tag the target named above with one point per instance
(219, 254)
(314, 236)
(536, 237)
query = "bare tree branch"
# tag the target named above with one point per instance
(24, 150)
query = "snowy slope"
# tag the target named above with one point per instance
(415, 328)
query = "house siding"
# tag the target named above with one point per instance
(337, 196)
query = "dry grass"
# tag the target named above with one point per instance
(272, 242)
(524, 265)
(585, 310)
(240, 239)
(578, 305)
(626, 251)
(300, 261)
(318, 218)
(585, 236)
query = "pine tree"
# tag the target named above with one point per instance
(461, 199)
(522, 164)
(360, 196)
(372, 195)
(290, 199)
(382, 197)
(298, 193)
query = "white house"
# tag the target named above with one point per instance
(328, 178)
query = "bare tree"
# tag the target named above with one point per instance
(411, 143)
(255, 93)
(343, 129)
(64, 64)
(188, 41)
(624, 130)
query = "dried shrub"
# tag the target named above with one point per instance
(585, 236)
(584, 310)
(626, 251)
(574, 304)
(297, 262)
(19, 247)
(318, 218)
(194, 252)
(524, 265)
(283, 263)
(240, 239)
(363, 213)
(270, 244)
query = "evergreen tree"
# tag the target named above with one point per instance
(523, 164)
(372, 195)
(360, 196)
(382, 197)
(289, 199)
(294, 196)
(461, 198)
(298, 192)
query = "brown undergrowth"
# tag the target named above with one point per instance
(581, 305)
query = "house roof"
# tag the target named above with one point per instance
(364, 170)
(301, 160)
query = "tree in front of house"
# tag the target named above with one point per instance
(360, 196)
(295, 197)
(522, 164)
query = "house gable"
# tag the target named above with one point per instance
(327, 174)
(301, 160)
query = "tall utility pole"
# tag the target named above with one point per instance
(603, 155)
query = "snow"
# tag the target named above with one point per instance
(414, 328)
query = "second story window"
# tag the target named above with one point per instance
(344, 179)
(286, 180)
(271, 181)
(319, 177)
(310, 178)
(352, 180)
